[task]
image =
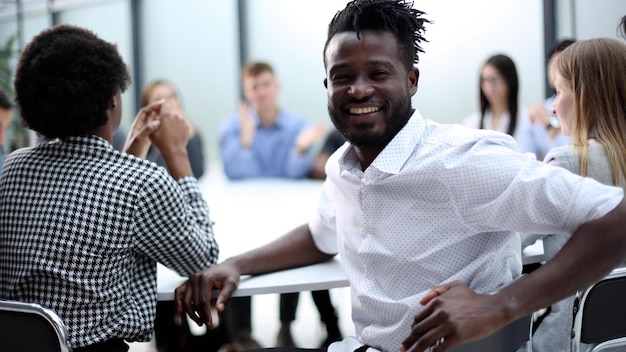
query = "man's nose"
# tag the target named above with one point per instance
(361, 88)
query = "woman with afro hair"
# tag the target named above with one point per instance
(83, 225)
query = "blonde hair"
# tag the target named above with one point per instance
(149, 89)
(594, 71)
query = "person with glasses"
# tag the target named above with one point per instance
(499, 105)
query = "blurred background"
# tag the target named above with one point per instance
(200, 46)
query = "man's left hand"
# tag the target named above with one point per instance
(453, 314)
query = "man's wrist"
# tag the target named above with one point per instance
(239, 263)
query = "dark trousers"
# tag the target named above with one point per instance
(289, 349)
(114, 345)
(289, 304)
(171, 333)
(296, 349)
(238, 315)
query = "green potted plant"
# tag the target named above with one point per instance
(5, 69)
(17, 136)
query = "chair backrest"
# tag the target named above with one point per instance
(27, 327)
(600, 314)
(508, 339)
(615, 345)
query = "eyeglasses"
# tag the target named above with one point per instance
(492, 80)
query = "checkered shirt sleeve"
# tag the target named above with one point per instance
(82, 227)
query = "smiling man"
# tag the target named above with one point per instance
(411, 204)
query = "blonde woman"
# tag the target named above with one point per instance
(171, 333)
(162, 89)
(590, 80)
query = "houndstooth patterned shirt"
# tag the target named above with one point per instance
(82, 227)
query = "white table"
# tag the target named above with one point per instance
(533, 253)
(321, 276)
(251, 213)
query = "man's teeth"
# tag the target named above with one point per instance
(364, 110)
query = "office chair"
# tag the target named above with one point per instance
(29, 327)
(510, 338)
(513, 337)
(600, 315)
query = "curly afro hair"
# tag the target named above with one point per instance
(396, 16)
(65, 80)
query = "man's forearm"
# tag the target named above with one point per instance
(294, 249)
(583, 260)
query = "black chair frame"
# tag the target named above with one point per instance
(27, 327)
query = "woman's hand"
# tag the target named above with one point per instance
(146, 123)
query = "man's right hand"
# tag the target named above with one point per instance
(194, 296)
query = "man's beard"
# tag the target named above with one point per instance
(393, 125)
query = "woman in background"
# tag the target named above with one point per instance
(499, 108)
(170, 332)
(161, 89)
(590, 80)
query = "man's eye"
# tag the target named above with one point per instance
(339, 78)
(380, 74)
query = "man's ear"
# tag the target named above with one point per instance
(326, 83)
(413, 77)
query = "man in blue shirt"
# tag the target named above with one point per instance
(264, 140)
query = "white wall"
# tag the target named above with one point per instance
(598, 18)
(463, 36)
(291, 34)
(584, 19)
(194, 44)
